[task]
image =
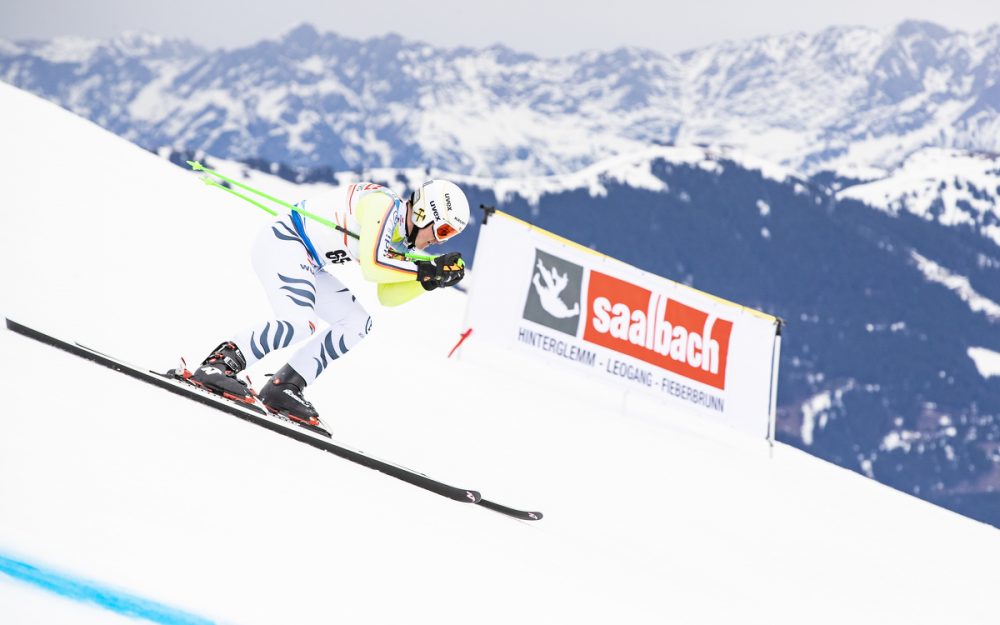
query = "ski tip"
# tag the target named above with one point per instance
(195, 165)
(523, 515)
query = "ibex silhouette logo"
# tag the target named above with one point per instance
(554, 295)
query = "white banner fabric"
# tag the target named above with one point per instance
(554, 299)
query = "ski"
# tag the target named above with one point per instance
(250, 414)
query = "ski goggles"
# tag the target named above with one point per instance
(444, 231)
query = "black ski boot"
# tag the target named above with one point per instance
(218, 374)
(282, 395)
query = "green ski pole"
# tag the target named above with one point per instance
(213, 183)
(196, 166)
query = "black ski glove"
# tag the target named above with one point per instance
(446, 270)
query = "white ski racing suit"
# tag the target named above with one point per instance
(289, 256)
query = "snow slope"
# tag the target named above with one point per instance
(951, 187)
(649, 519)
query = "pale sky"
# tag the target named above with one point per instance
(545, 28)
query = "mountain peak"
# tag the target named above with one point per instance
(917, 28)
(142, 43)
(505, 54)
(9, 48)
(136, 37)
(303, 34)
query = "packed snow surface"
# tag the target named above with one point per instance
(650, 518)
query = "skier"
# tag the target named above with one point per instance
(289, 255)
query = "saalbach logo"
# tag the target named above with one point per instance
(554, 295)
(656, 329)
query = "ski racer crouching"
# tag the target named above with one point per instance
(289, 256)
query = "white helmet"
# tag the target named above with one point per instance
(444, 204)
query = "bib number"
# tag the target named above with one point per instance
(338, 257)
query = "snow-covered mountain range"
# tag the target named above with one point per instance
(853, 100)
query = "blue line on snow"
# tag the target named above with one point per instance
(90, 592)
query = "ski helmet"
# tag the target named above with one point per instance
(442, 203)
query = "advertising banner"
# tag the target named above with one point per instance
(552, 298)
